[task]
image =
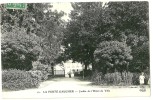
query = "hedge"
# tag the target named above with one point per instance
(13, 79)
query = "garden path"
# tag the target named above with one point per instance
(72, 87)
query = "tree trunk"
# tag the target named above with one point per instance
(127, 67)
(83, 74)
(93, 67)
(52, 70)
(85, 70)
(121, 74)
(85, 67)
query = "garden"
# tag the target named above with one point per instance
(111, 37)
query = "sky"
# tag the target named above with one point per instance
(66, 7)
(63, 6)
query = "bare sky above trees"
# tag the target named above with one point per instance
(63, 6)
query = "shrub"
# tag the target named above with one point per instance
(37, 65)
(42, 75)
(14, 79)
(127, 78)
(97, 77)
(87, 73)
(40, 70)
(135, 78)
(117, 78)
(147, 76)
(112, 78)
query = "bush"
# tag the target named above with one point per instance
(135, 78)
(40, 70)
(127, 78)
(42, 75)
(87, 73)
(97, 77)
(147, 76)
(37, 65)
(112, 78)
(14, 79)
(117, 78)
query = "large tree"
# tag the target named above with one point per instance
(129, 18)
(91, 23)
(39, 26)
(19, 49)
(81, 38)
(113, 55)
(131, 24)
(52, 38)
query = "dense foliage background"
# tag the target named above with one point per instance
(125, 27)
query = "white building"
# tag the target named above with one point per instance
(67, 67)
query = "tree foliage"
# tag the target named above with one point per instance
(93, 23)
(19, 49)
(80, 37)
(128, 18)
(41, 35)
(113, 55)
(33, 34)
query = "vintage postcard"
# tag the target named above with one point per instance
(75, 49)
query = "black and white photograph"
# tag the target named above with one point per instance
(75, 49)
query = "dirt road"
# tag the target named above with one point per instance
(72, 87)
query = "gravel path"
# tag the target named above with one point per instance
(72, 87)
